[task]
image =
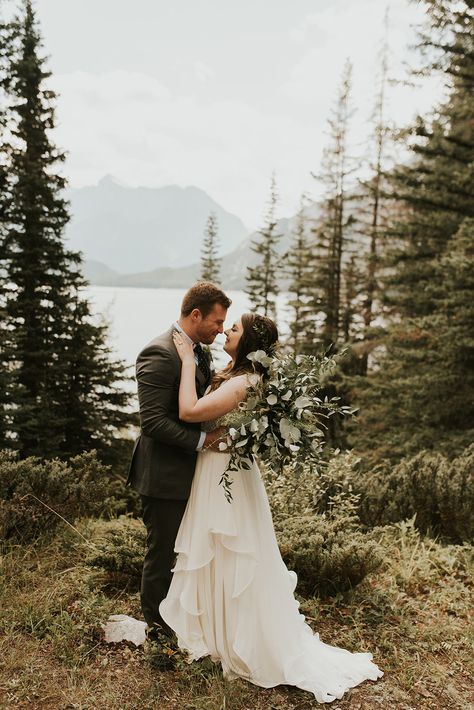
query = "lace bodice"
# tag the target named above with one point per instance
(216, 423)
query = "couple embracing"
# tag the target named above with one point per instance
(213, 574)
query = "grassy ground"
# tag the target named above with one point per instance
(413, 616)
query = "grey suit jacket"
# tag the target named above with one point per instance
(164, 456)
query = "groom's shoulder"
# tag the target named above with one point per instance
(160, 344)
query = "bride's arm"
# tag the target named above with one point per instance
(212, 405)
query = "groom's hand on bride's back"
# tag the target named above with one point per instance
(213, 438)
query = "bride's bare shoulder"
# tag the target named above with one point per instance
(245, 379)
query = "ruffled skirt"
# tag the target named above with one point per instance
(231, 596)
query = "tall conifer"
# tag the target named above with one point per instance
(373, 213)
(262, 279)
(55, 354)
(7, 35)
(332, 234)
(298, 269)
(421, 394)
(210, 262)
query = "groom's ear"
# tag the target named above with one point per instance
(196, 315)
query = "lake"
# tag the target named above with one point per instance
(137, 315)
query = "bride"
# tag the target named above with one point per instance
(231, 596)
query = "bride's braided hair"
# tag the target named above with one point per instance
(258, 333)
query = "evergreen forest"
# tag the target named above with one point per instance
(380, 279)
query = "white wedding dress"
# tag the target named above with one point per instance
(231, 596)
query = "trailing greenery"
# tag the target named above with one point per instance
(284, 417)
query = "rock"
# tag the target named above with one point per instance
(121, 627)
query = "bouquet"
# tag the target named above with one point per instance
(284, 417)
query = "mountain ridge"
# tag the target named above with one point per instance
(110, 220)
(233, 267)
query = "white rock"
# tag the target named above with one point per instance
(121, 627)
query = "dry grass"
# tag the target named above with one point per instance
(413, 616)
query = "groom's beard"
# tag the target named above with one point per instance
(206, 339)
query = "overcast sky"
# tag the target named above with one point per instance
(217, 93)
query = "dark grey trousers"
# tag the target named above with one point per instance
(162, 519)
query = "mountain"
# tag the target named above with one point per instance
(97, 273)
(233, 267)
(129, 229)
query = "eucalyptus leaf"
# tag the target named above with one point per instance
(302, 402)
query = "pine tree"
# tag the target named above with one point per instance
(435, 188)
(89, 385)
(298, 268)
(210, 263)
(54, 353)
(7, 34)
(262, 282)
(352, 279)
(422, 397)
(332, 234)
(421, 393)
(374, 211)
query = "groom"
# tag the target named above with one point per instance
(164, 456)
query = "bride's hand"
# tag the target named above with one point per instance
(183, 347)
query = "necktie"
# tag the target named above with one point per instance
(202, 360)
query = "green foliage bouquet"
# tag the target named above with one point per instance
(283, 418)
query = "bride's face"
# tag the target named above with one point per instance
(232, 338)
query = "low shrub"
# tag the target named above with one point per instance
(35, 493)
(318, 529)
(439, 492)
(327, 553)
(124, 500)
(118, 548)
(418, 563)
(314, 490)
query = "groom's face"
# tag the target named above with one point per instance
(211, 325)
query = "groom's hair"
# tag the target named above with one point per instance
(203, 296)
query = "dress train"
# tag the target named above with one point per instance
(231, 596)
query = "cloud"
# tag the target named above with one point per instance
(153, 131)
(203, 72)
(134, 127)
(313, 80)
